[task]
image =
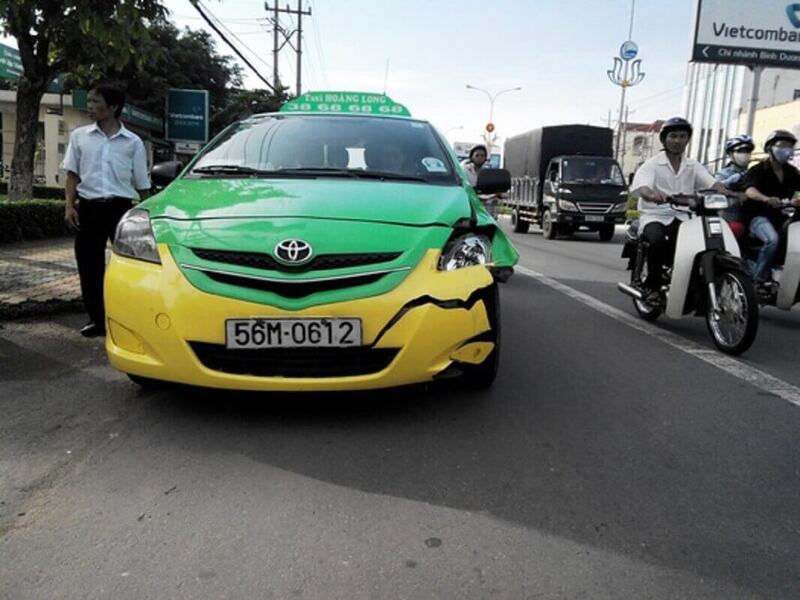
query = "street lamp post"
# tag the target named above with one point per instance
(492, 98)
(625, 74)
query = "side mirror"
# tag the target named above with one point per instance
(164, 173)
(493, 181)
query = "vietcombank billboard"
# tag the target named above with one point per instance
(749, 32)
(187, 116)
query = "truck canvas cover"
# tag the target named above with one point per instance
(529, 153)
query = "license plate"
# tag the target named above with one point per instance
(292, 333)
(594, 219)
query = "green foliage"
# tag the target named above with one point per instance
(31, 220)
(631, 212)
(82, 37)
(40, 192)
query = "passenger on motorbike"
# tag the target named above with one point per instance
(739, 151)
(766, 183)
(667, 173)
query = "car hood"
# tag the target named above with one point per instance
(404, 203)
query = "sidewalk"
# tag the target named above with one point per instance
(38, 277)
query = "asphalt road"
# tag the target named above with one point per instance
(604, 463)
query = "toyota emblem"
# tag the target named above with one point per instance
(293, 252)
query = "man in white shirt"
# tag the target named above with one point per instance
(669, 172)
(106, 170)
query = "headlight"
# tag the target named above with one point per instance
(134, 237)
(567, 205)
(620, 207)
(715, 202)
(466, 251)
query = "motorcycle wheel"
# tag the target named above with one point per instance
(735, 328)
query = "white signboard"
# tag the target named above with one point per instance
(750, 32)
(187, 147)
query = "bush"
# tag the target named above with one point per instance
(31, 220)
(39, 191)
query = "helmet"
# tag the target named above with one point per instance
(744, 142)
(777, 136)
(674, 124)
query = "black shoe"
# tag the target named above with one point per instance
(92, 329)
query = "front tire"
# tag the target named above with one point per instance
(606, 233)
(482, 376)
(145, 383)
(734, 328)
(548, 227)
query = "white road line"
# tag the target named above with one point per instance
(730, 365)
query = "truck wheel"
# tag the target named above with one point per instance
(548, 227)
(606, 233)
(520, 225)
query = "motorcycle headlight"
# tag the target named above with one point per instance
(134, 237)
(567, 205)
(466, 251)
(715, 202)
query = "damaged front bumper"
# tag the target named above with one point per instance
(161, 327)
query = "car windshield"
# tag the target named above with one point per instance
(604, 171)
(328, 146)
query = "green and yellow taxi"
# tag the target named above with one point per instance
(333, 245)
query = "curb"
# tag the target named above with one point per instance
(31, 308)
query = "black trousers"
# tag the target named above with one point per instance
(661, 239)
(98, 222)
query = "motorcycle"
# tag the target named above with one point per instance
(706, 277)
(783, 290)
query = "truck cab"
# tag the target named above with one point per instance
(582, 193)
(564, 178)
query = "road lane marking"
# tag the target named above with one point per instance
(730, 365)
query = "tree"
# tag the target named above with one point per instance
(82, 37)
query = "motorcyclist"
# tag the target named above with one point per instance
(739, 150)
(478, 160)
(766, 183)
(667, 173)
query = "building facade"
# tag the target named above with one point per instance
(716, 99)
(639, 142)
(57, 119)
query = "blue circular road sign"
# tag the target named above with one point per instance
(628, 50)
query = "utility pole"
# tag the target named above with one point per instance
(287, 39)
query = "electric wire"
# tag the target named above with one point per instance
(232, 46)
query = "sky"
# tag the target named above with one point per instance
(558, 52)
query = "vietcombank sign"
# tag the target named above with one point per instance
(751, 32)
(187, 116)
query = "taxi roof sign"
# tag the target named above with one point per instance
(359, 103)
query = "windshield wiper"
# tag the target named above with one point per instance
(316, 171)
(227, 170)
(386, 175)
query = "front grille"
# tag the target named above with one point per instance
(258, 260)
(596, 208)
(294, 289)
(294, 362)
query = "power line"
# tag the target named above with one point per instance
(232, 47)
(246, 47)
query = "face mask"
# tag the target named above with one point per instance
(782, 155)
(741, 159)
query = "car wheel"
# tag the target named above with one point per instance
(483, 375)
(144, 382)
(520, 225)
